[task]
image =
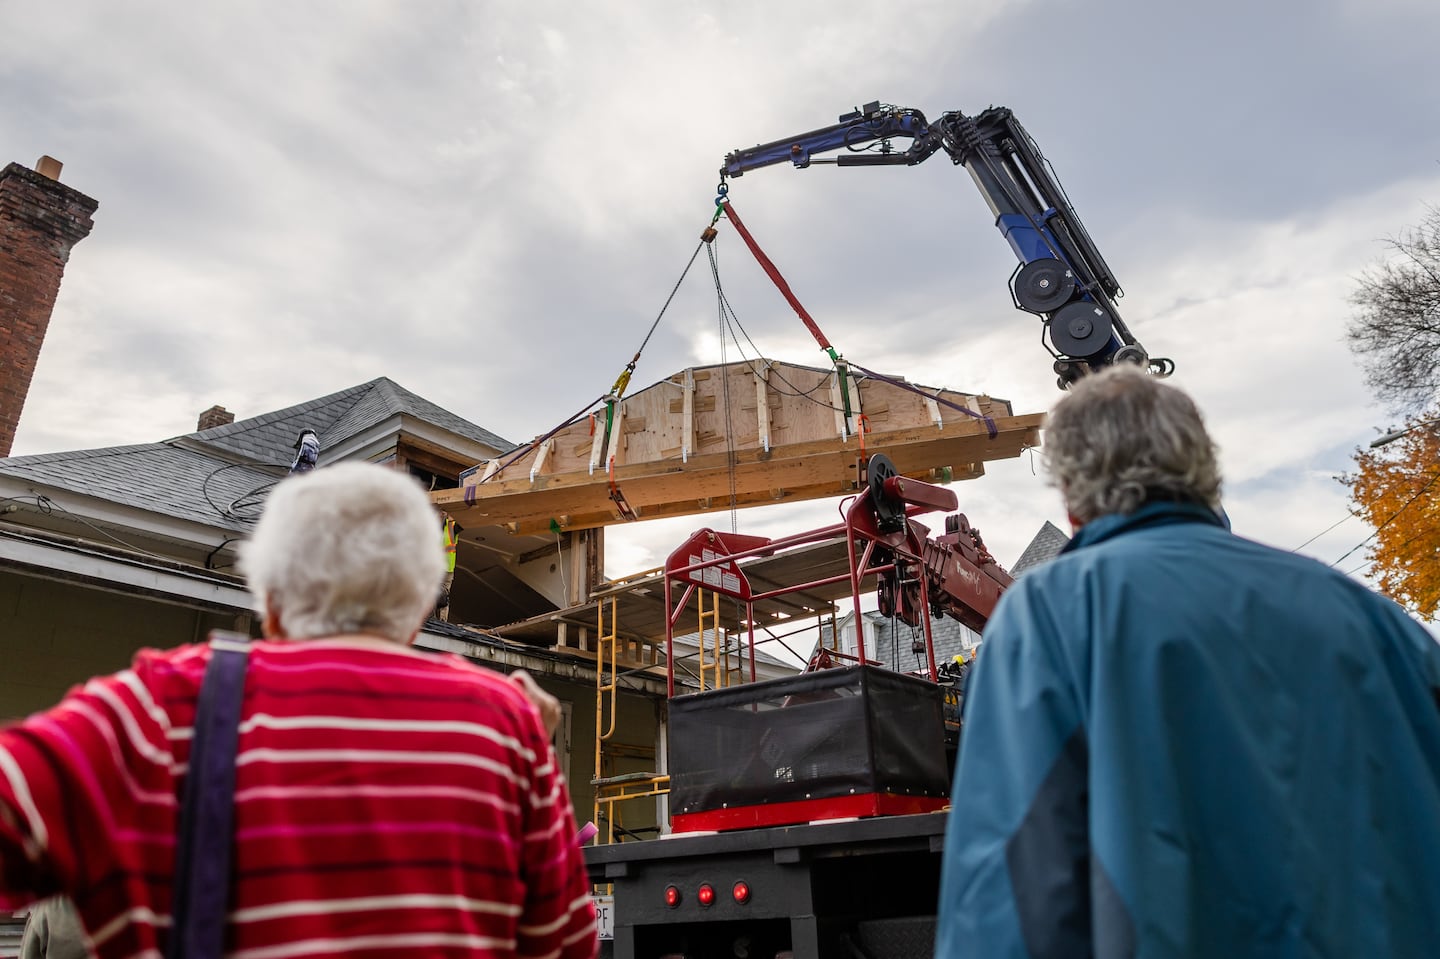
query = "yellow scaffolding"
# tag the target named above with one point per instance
(613, 790)
(709, 624)
(610, 791)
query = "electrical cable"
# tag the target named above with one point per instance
(560, 562)
(1323, 532)
(47, 506)
(759, 355)
(729, 312)
(1370, 562)
(683, 273)
(815, 330)
(942, 401)
(730, 458)
(228, 512)
(1392, 518)
(524, 448)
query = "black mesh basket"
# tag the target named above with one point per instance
(835, 732)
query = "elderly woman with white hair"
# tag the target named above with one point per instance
(1182, 743)
(385, 800)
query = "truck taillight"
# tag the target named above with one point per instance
(672, 896)
(741, 892)
(706, 894)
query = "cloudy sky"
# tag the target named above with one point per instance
(488, 202)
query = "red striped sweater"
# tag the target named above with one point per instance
(388, 801)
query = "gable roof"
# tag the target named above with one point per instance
(335, 418)
(889, 641)
(1046, 545)
(217, 477)
(155, 477)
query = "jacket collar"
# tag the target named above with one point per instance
(1150, 515)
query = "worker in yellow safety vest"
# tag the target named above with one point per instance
(450, 531)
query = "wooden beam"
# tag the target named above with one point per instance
(704, 486)
(662, 469)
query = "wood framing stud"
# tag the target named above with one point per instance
(597, 443)
(541, 455)
(687, 425)
(762, 404)
(684, 462)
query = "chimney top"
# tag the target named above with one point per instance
(48, 166)
(213, 417)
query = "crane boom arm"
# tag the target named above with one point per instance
(1062, 277)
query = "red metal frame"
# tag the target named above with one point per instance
(805, 810)
(710, 559)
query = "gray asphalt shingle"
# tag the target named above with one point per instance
(220, 476)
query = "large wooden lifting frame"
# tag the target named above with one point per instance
(741, 434)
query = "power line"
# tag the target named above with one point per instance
(1388, 521)
(1323, 532)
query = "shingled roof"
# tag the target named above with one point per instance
(1046, 545)
(338, 417)
(219, 476)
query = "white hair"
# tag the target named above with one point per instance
(350, 548)
(1121, 438)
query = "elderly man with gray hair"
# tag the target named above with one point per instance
(1181, 743)
(386, 801)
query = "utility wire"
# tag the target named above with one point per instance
(47, 506)
(520, 451)
(732, 323)
(684, 273)
(1323, 532)
(1392, 519)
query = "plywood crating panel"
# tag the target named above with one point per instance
(678, 447)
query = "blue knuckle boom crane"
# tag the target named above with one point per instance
(1062, 278)
(806, 814)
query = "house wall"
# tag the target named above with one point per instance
(56, 634)
(631, 749)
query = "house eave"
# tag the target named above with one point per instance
(77, 562)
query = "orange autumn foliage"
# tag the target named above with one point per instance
(1396, 489)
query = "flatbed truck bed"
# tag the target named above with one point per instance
(860, 887)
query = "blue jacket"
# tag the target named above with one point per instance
(1180, 743)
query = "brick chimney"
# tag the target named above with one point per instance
(40, 220)
(213, 417)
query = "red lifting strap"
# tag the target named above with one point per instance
(775, 277)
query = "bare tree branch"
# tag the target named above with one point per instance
(1395, 330)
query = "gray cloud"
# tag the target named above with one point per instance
(489, 203)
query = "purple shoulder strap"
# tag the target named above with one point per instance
(207, 808)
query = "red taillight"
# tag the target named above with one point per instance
(706, 894)
(741, 892)
(672, 896)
